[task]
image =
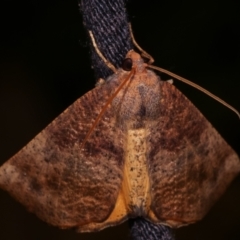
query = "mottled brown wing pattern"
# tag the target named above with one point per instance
(59, 181)
(151, 154)
(190, 163)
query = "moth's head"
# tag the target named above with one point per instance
(133, 60)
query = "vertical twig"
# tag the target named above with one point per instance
(107, 20)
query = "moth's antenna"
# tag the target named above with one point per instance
(111, 97)
(110, 65)
(195, 86)
(106, 105)
(143, 53)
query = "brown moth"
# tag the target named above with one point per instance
(133, 146)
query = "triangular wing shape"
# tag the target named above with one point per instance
(151, 154)
(190, 164)
(62, 183)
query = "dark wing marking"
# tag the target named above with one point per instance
(190, 163)
(63, 184)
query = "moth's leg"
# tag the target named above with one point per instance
(170, 81)
(100, 82)
(110, 65)
(143, 53)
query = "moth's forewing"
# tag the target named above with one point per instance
(190, 164)
(62, 182)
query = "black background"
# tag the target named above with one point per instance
(45, 66)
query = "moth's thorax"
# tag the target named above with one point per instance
(138, 100)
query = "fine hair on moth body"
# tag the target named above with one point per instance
(148, 65)
(190, 83)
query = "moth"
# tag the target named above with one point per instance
(132, 146)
